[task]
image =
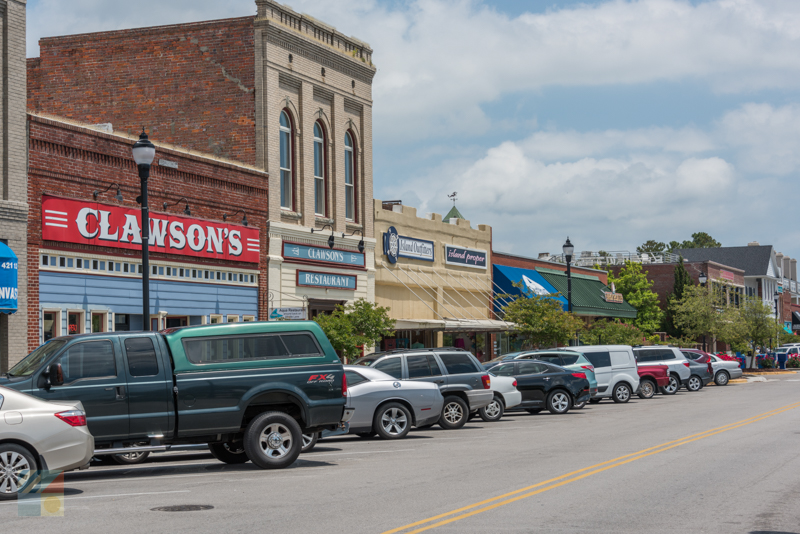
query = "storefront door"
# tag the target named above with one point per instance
(319, 306)
(175, 322)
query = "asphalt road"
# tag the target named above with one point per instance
(724, 459)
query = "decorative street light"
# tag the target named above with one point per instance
(777, 320)
(186, 210)
(330, 238)
(568, 250)
(703, 279)
(143, 154)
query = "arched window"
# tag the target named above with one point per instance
(287, 156)
(349, 178)
(320, 203)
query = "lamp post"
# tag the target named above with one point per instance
(703, 279)
(143, 153)
(777, 297)
(568, 250)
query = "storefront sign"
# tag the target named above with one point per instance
(326, 280)
(286, 314)
(325, 255)
(106, 225)
(398, 246)
(726, 275)
(8, 279)
(465, 257)
(614, 297)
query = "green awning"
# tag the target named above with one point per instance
(588, 295)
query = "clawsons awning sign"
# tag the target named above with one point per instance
(107, 225)
(399, 246)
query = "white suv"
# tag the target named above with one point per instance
(679, 371)
(614, 370)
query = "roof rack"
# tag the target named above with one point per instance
(431, 349)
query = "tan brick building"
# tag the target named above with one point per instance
(281, 91)
(13, 160)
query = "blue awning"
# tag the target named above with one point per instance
(505, 277)
(8, 280)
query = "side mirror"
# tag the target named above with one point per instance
(55, 374)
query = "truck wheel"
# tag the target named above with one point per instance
(722, 378)
(454, 413)
(622, 393)
(694, 383)
(130, 458)
(671, 388)
(392, 421)
(273, 440)
(229, 453)
(17, 470)
(493, 411)
(309, 441)
(559, 402)
(647, 389)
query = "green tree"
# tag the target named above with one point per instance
(760, 329)
(682, 280)
(613, 332)
(699, 240)
(703, 311)
(651, 247)
(360, 324)
(541, 320)
(636, 289)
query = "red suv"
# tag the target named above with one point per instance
(652, 377)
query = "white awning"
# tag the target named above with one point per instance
(418, 324)
(477, 325)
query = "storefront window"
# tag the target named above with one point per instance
(74, 323)
(50, 325)
(122, 322)
(97, 322)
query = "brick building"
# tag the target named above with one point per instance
(278, 90)
(84, 243)
(13, 154)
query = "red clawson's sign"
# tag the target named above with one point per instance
(106, 225)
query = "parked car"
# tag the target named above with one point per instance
(248, 390)
(506, 395)
(36, 435)
(574, 361)
(652, 377)
(724, 370)
(465, 386)
(701, 375)
(545, 386)
(670, 356)
(614, 370)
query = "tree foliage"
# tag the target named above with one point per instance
(613, 332)
(698, 312)
(541, 320)
(360, 324)
(651, 247)
(699, 240)
(682, 280)
(635, 288)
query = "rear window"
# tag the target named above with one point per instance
(141, 354)
(250, 347)
(599, 359)
(458, 364)
(569, 359)
(390, 366)
(549, 358)
(533, 368)
(503, 370)
(654, 355)
(354, 379)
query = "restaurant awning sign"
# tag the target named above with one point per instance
(8, 279)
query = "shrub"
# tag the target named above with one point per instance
(793, 362)
(767, 363)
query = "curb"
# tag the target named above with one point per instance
(756, 373)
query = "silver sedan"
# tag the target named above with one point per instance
(724, 370)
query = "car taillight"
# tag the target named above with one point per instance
(514, 383)
(487, 382)
(344, 384)
(579, 375)
(686, 364)
(73, 417)
(587, 367)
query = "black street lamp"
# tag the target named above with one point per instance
(143, 154)
(703, 279)
(330, 238)
(186, 210)
(244, 216)
(568, 250)
(360, 243)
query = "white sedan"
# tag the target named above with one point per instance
(46, 436)
(506, 395)
(724, 370)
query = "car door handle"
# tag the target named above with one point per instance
(120, 392)
(438, 381)
(547, 378)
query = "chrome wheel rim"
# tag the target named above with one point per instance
(453, 413)
(647, 389)
(307, 439)
(493, 409)
(15, 472)
(622, 393)
(131, 456)
(722, 379)
(394, 421)
(694, 383)
(672, 386)
(275, 441)
(560, 402)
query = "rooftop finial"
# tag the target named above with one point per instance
(453, 197)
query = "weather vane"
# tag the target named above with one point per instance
(453, 197)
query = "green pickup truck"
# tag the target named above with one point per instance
(248, 390)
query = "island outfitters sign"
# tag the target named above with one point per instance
(399, 246)
(107, 225)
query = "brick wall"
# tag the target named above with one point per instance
(190, 85)
(529, 263)
(72, 161)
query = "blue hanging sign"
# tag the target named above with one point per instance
(400, 246)
(8, 279)
(326, 280)
(292, 251)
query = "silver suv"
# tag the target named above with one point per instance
(679, 371)
(465, 386)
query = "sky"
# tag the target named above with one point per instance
(611, 122)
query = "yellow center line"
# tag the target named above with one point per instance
(562, 480)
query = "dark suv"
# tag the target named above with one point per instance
(464, 384)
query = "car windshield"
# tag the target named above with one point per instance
(365, 361)
(34, 360)
(509, 356)
(782, 350)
